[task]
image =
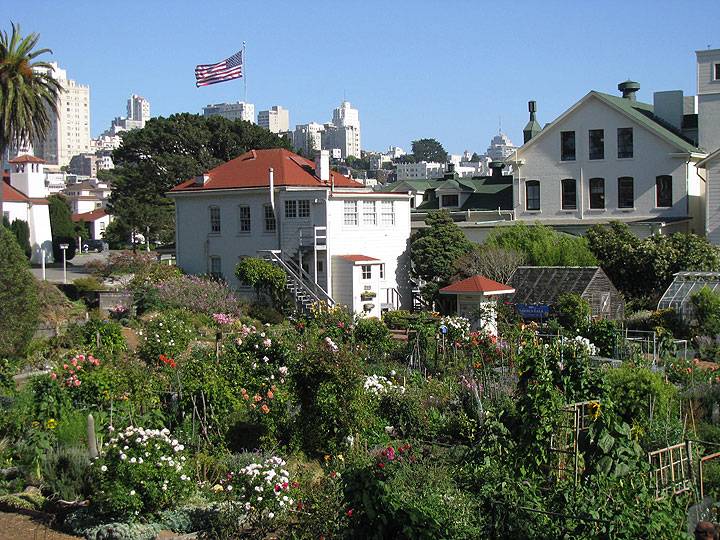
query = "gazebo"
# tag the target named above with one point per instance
(475, 299)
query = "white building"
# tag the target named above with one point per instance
(232, 111)
(344, 131)
(24, 199)
(97, 221)
(138, 109)
(420, 170)
(611, 158)
(276, 119)
(308, 137)
(708, 81)
(69, 132)
(87, 195)
(335, 238)
(501, 147)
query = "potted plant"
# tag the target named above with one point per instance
(367, 295)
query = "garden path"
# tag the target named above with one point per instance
(21, 527)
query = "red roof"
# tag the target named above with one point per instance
(359, 258)
(250, 170)
(10, 194)
(25, 158)
(477, 284)
(90, 216)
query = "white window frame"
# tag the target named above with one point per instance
(215, 220)
(269, 215)
(387, 212)
(350, 213)
(369, 213)
(303, 209)
(382, 271)
(244, 220)
(291, 209)
(217, 273)
(366, 271)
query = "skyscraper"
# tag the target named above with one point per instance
(69, 132)
(232, 111)
(138, 109)
(276, 119)
(344, 132)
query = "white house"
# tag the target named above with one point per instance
(611, 158)
(24, 199)
(97, 221)
(476, 300)
(336, 239)
(87, 195)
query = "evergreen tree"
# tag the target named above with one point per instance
(62, 227)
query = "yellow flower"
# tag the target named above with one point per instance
(217, 487)
(51, 424)
(327, 458)
(35, 424)
(341, 458)
(595, 410)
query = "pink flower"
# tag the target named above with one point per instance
(77, 382)
(390, 453)
(53, 376)
(267, 342)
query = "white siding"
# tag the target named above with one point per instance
(713, 182)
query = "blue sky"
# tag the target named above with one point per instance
(450, 70)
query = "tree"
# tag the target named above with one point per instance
(475, 158)
(62, 227)
(493, 262)
(434, 250)
(18, 298)
(28, 94)
(707, 312)
(542, 246)
(21, 230)
(167, 151)
(429, 150)
(573, 311)
(264, 277)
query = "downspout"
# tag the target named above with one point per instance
(271, 175)
(582, 194)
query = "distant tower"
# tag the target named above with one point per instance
(27, 175)
(138, 109)
(532, 128)
(708, 91)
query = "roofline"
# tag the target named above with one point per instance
(478, 293)
(586, 97)
(710, 157)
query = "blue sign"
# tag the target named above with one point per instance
(533, 311)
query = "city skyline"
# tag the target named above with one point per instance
(457, 80)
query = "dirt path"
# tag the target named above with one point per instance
(21, 527)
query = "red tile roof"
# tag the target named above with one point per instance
(25, 158)
(359, 258)
(10, 194)
(250, 170)
(90, 216)
(477, 284)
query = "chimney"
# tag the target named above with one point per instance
(322, 165)
(629, 89)
(532, 128)
(202, 179)
(496, 167)
(669, 105)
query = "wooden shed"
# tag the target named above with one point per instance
(537, 289)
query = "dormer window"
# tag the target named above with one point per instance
(450, 201)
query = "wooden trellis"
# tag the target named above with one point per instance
(671, 469)
(565, 442)
(703, 460)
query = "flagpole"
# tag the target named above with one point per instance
(244, 57)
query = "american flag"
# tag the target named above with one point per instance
(230, 68)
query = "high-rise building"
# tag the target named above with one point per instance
(232, 111)
(276, 119)
(69, 132)
(500, 147)
(138, 109)
(308, 137)
(344, 131)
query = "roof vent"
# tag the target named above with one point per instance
(496, 167)
(629, 89)
(202, 179)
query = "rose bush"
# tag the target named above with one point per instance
(168, 333)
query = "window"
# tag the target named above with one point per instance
(597, 193)
(388, 212)
(569, 194)
(596, 141)
(290, 209)
(351, 213)
(214, 219)
(663, 191)
(532, 195)
(366, 271)
(626, 192)
(215, 267)
(244, 218)
(382, 271)
(320, 266)
(304, 209)
(717, 72)
(625, 142)
(270, 223)
(449, 200)
(369, 217)
(567, 146)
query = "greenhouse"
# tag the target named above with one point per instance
(678, 295)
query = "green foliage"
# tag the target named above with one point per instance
(18, 297)
(263, 276)
(573, 311)
(89, 284)
(605, 334)
(65, 472)
(429, 150)
(374, 336)
(167, 334)
(21, 230)
(707, 311)
(542, 246)
(62, 226)
(167, 151)
(434, 250)
(643, 269)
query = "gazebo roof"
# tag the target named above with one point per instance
(477, 285)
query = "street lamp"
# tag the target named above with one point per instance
(64, 248)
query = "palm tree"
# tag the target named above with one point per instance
(28, 93)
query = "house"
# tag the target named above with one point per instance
(711, 166)
(678, 295)
(336, 239)
(612, 158)
(23, 197)
(97, 221)
(537, 289)
(87, 195)
(475, 299)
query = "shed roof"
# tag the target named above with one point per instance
(360, 258)
(684, 285)
(544, 284)
(476, 285)
(93, 215)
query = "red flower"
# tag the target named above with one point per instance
(277, 488)
(349, 512)
(381, 465)
(295, 485)
(285, 485)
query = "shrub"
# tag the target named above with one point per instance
(65, 472)
(199, 294)
(88, 284)
(168, 334)
(21, 230)
(140, 471)
(707, 312)
(102, 338)
(573, 311)
(18, 297)
(374, 335)
(265, 314)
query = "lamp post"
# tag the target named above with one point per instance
(42, 260)
(64, 250)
